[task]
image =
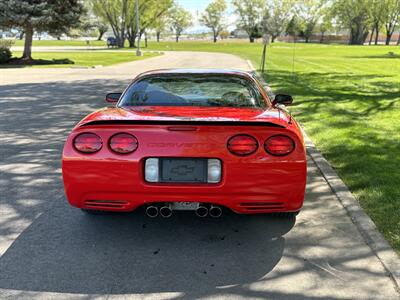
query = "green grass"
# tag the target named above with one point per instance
(86, 58)
(348, 100)
(61, 43)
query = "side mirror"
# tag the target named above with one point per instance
(113, 97)
(282, 99)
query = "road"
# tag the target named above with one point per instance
(52, 251)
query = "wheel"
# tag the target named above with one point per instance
(285, 215)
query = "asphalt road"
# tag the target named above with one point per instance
(52, 251)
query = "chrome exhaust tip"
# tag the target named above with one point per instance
(201, 211)
(166, 211)
(152, 211)
(215, 211)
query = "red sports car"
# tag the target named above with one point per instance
(200, 140)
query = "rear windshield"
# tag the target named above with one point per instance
(193, 90)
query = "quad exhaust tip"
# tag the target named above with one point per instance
(152, 211)
(215, 211)
(166, 211)
(201, 211)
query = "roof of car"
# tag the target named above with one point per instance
(197, 71)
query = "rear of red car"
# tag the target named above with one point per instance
(249, 160)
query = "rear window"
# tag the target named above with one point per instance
(193, 90)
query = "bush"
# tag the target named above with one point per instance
(5, 52)
(5, 55)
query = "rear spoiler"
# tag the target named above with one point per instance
(183, 122)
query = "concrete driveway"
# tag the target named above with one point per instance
(52, 251)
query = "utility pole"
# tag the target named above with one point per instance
(138, 52)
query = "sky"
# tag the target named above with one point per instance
(196, 7)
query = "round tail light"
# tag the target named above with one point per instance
(87, 142)
(242, 145)
(123, 143)
(279, 145)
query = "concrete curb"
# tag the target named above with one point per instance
(372, 237)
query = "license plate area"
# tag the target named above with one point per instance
(185, 205)
(183, 170)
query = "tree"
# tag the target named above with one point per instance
(309, 12)
(224, 34)
(159, 26)
(101, 28)
(377, 15)
(180, 19)
(354, 15)
(391, 17)
(115, 13)
(276, 17)
(91, 23)
(213, 17)
(53, 16)
(250, 14)
(325, 25)
(150, 11)
(293, 27)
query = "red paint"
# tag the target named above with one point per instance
(257, 183)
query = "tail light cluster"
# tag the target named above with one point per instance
(242, 145)
(277, 145)
(121, 143)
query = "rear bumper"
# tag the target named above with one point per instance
(245, 188)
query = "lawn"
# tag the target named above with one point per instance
(86, 58)
(348, 100)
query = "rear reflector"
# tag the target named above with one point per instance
(213, 170)
(279, 145)
(123, 143)
(242, 145)
(151, 170)
(87, 142)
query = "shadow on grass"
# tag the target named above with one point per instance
(390, 55)
(19, 63)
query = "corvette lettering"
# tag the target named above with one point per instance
(180, 145)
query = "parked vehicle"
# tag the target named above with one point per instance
(112, 42)
(198, 140)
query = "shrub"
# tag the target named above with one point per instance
(5, 52)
